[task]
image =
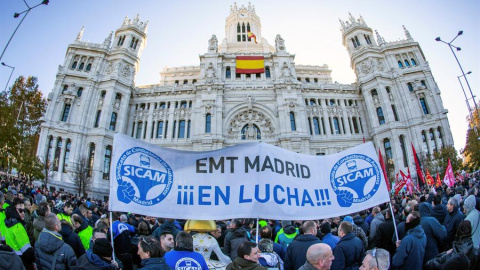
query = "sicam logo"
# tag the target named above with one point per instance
(355, 179)
(143, 177)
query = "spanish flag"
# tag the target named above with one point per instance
(250, 64)
(252, 35)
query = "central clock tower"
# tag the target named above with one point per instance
(239, 22)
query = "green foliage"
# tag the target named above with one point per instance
(471, 152)
(21, 110)
(439, 161)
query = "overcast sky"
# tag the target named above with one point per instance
(178, 33)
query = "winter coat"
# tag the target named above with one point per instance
(358, 220)
(167, 226)
(434, 231)
(360, 234)
(411, 251)
(232, 240)
(377, 220)
(297, 251)
(48, 243)
(242, 264)
(154, 263)
(271, 260)
(38, 225)
(91, 261)
(348, 253)
(474, 217)
(385, 233)
(331, 240)
(178, 259)
(439, 212)
(286, 235)
(72, 239)
(464, 246)
(10, 260)
(307, 266)
(451, 222)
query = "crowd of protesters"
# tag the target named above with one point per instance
(437, 228)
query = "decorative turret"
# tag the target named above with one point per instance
(132, 35)
(356, 34)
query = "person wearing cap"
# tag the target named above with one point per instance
(99, 258)
(51, 252)
(327, 236)
(349, 251)
(473, 216)
(297, 250)
(268, 258)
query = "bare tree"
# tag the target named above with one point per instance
(81, 176)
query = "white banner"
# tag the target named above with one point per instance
(246, 180)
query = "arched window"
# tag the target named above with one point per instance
(65, 88)
(251, 131)
(89, 66)
(79, 91)
(66, 111)
(74, 65)
(106, 162)
(58, 150)
(374, 93)
(400, 65)
(388, 149)
(97, 118)
(404, 150)
(82, 64)
(91, 157)
(423, 103)
(395, 115)
(410, 87)
(423, 83)
(248, 30)
(243, 28)
(135, 45)
(336, 125)
(103, 94)
(183, 104)
(160, 129)
(66, 157)
(358, 41)
(407, 64)
(354, 43)
(413, 62)
(312, 102)
(316, 126)
(113, 121)
(238, 28)
(228, 73)
(162, 105)
(208, 123)
(332, 102)
(381, 117)
(292, 122)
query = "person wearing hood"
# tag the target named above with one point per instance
(434, 231)
(268, 258)
(349, 251)
(463, 245)
(297, 250)
(411, 249)
(72, 238)
(473, 216)
(167, 225)
(378, 218)
(452, 219)
(16, 236)
(360, 222)
(10, 260)
(51, 252)
(98, 258)
(286, 235)
(439, 210)
(358, 232)
(327, 236)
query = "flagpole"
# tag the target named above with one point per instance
(111, 235)
(394, 222)
(256, 233)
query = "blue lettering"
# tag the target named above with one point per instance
(267, 194)
(291, 196)
(242, 191)
(275, 194)
(224, 196)
(306, 198)
(202, 194)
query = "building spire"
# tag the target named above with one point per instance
(380, 39)
(407, 33)
(80, 34)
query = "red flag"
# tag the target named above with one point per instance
(408, 181)
(418, 166)
(438, 181)
(399, 184)
(382, 164)
(459, 177)
(449, 179)
(430, 181)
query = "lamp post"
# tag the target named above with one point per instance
(16, 15)
(467, 99)
(11, 73)
(463, 73)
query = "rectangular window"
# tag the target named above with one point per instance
(208, 123)
(292, 122)
(106, 162)
(166, 129)
(97, 118)
(58, 150)
(404, 150)
(139, 130)
(145, 130)
(394, 110)
(113, 121)
(316, 126)
(336, 125)
(423, 103)
(160, 129)
(181, 129)
(66, 157)
(189, 125)
(66, 111)
(174, 128)
(91, 157)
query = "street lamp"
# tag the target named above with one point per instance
(11, 73)
(463, 73)
(16, 15)
(466, 98)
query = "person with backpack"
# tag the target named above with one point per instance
(286, 235)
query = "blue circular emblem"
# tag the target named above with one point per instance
(142, 177)
(355, 179)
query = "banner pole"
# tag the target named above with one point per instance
(256, 233)
(111, 235)
(394, 222)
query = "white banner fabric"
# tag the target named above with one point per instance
(250, 180)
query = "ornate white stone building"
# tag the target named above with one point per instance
(395, 101)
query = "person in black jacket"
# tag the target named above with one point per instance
(72, 238)
(297, 250)
(349, 251)
(439, 210)
(234, 238)
(451, 222)
(385, 233)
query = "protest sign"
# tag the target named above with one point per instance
(246, 180)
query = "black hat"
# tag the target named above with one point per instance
(325, 228)
(102, 248)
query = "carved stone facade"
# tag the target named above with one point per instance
(209, 106)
